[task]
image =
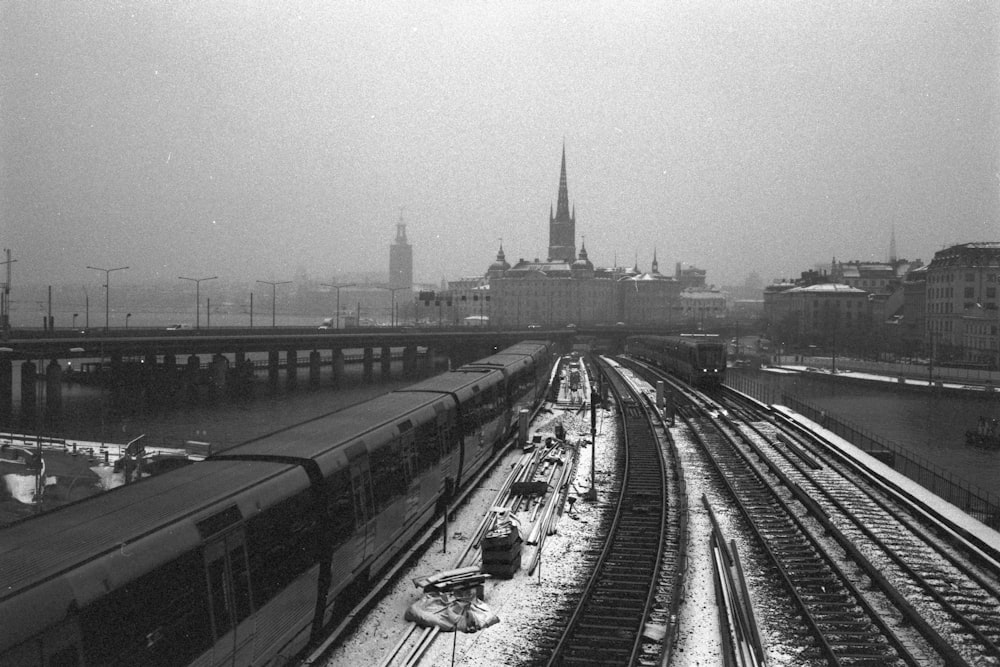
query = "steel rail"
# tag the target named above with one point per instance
(606, 627)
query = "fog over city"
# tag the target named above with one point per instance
(255, 140)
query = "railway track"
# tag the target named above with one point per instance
(874, 582)
(632, 583)
(956, 603)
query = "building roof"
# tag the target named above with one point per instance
(828, 288)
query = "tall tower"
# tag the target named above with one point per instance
(562, 226)
(401, 258)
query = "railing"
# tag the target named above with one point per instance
(959, 492)
(974, 500)
(921, 371)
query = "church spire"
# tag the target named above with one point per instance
(562, 205)
(562, 225)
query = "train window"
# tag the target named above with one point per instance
(340, 508)
(408, 453)
(428, 447)
(389, 480)
(447, 431)
(160, 619)
(219, 599)
(241, 582)
(283, 542)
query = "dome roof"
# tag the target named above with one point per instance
(583, 263)
(500, 265)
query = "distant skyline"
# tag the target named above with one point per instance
(255, 141)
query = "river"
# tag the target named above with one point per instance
(930, 425)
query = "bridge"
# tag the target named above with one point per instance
(158, 362)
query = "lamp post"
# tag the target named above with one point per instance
(338, 288)
(197, 297)
(392, 313)
(273, 285)
(107, 292)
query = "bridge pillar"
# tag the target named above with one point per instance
(29, 378)
(337, 363)
(314, 361)
(242, 375)
(53, 388)
(117, 379)
(367, 362)
(385, 360)
(168, 379)
(272, 369)
(219, 371)
(191, 372)
(410, 361)
(6, 393)
(291, 368)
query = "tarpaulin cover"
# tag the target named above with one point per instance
(449, 612)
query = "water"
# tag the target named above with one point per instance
(87, 413)
(929, 425)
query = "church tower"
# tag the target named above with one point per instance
(401, 258)
(562, 226)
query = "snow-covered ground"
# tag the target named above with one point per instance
(525, 603)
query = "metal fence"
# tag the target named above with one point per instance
(975, 501)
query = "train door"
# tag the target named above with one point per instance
(229, 598)
(364, 503)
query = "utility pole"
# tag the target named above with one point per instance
(107, 292)
(392, 313)
(197, 297)
(5, 297)
(338, 288)
(274, 285)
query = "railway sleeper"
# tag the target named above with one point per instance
(607, 628)
(623, 597)
(835, 622)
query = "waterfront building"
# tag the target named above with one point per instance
(817, 313)
(568, 289)
(963, 307)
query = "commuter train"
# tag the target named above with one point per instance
(698, 359)
(242, 559)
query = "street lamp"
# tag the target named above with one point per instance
(338, 287)
(197, 297)
(273, 285)
(393, 311)
(107, 292)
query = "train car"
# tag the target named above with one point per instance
(526, 367)
(698, 359)
(242, 559)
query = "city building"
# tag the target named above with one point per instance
(567, 289)
(963, 308)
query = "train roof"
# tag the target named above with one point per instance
(37, 549)
(371, 421)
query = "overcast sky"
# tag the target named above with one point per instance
(256, 139)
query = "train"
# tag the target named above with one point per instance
(244, 558)
(698, 359)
